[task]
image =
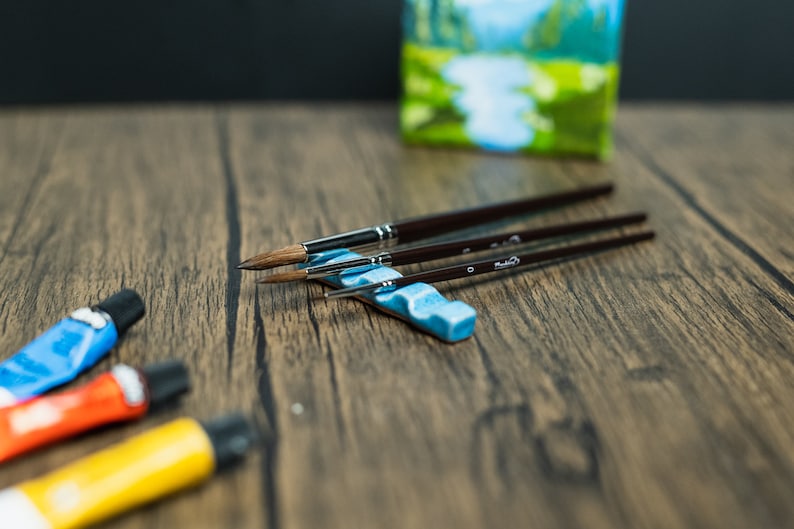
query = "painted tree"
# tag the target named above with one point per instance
(548, 32)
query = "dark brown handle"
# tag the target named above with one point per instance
(429, 252)
(424, 227)
(515, 261)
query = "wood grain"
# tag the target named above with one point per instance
(643, 388)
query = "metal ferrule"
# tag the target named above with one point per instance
(380, 236)
(358, 264)
(355, 291)
(386, 233)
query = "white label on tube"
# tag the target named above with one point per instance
(92, 318)
(37, 415)
(130, 383)
(19, 512)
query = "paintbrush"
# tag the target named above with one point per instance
(431, 252)
(492, 265)
(406, 231)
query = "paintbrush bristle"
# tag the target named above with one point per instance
(285, 256)
(285, 277)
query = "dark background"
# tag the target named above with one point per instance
(74, 51)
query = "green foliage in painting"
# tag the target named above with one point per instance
(537, 77)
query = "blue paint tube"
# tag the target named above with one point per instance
(71, 346)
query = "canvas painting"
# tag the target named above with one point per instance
(535, 76)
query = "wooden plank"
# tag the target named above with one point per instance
(28, 141)
(642, 388)
(134, 198)
(733, 164)
(508, 426)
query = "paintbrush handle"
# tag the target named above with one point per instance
(430, 252)
(504, 263)
(491, 242)
(423, 227)
(494, 265)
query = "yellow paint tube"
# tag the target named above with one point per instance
(175, 456)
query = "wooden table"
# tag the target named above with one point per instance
(647, 387)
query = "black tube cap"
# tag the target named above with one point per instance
(165, 381)
(124, 308)
(231, 437)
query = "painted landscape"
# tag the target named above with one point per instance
(536, 76)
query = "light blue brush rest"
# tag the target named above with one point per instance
(419, 304)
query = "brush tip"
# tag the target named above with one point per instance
(285, 277)
(293, 254)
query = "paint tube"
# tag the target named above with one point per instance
(71, 346)
(175, 456)
(123, 394)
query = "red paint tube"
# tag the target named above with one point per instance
(123, 394)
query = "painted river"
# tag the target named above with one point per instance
(490, 100)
